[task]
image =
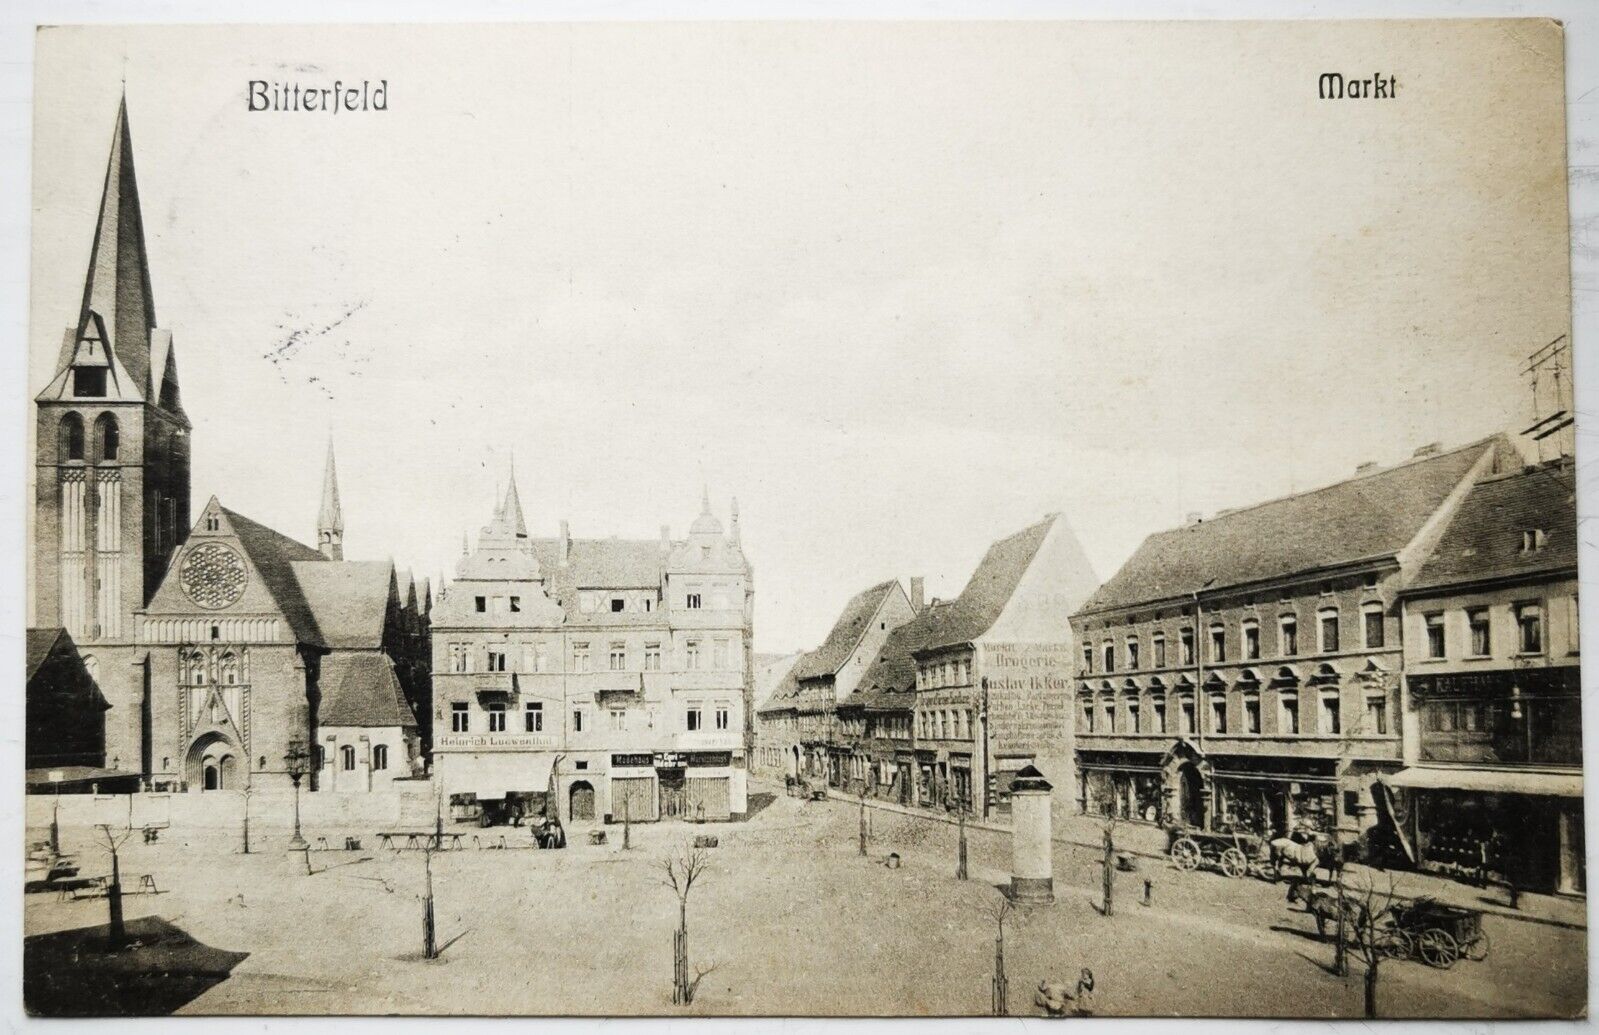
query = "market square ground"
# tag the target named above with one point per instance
(793, 918)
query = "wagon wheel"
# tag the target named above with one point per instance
(1185, 853)
(1476, 947)
(1234, 863)
(1394, 944)
(1439, 948)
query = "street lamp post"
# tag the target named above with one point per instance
(297, 762)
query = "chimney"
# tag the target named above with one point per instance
(1369, 465)
(918, 589)
(563, 549)
(666, 539)
(1194, 518)
(1430, 449)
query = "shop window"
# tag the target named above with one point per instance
(1288, 636)
(1329, 722)
(497, 717)
(1373, 618)
(1529, 628)
(347, 758)
(1481, 632)
(533, 717)
(1251, 640)
(459, 717)
(1436, 642)
(380, 757)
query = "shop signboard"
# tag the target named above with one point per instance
(1028, 690)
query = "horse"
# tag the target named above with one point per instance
(1325, 907)
(1307, 856)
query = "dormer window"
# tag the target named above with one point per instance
(88, 382)
(1533, 540)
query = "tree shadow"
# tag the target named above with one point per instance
(76, 974)
(452, 941)
(757, 803)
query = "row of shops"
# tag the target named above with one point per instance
(634, 787)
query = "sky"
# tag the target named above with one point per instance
(902, 289)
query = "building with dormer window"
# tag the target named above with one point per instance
(614, 673)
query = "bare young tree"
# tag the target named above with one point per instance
(245, 821)
(998, 911)
(113, 840)
(682, 870)
(1108, 863)
(1377, 938)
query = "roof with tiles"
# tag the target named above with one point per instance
(1486, 539)
(349, 599)
(360, 688)
(274, 556)
(1371, 516)
(846, 633)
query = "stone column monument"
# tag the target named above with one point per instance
(1032, 874)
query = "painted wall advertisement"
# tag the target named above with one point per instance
(1029, 696)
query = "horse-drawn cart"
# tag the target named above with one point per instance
(1236, 854)
(1436, 933)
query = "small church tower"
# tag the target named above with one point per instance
(330, 519)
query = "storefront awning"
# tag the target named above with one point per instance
(1492, 781)
(506, 774)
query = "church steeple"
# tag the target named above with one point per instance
(511, 510)
(117, 287)
(330, 520)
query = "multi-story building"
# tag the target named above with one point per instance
(257, 644)
(826, 677)
(973, 690)
(111, 474)
(1492, 689)
(1245, 670)
(614, 673)
(771, 754)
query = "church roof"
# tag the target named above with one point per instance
(274, 556)
(40, 644)
(349, 600)
(360, 688)
(1365, 518)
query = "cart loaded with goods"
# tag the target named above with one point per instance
(1434, 932)
(1234, 853)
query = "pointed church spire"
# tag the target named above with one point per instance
(330, 520)
(117, 286)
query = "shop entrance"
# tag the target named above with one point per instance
(581, 802)
(674, 793)
(1191, 795)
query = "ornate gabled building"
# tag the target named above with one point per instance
(111, 483)
(255, 642)
(616, 673)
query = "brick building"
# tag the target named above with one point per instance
(1492, 694)
(615, 672)
(111, 474)
(1245, 670)
(255, 641)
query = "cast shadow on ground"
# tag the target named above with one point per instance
(71, 973)
(757, 803)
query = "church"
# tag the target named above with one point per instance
(221, 650)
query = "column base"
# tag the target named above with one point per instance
(1033, 890)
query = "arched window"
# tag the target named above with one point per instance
(107, 437)
(380, 757)
(72, 437)
(347, 757)
(230, 669)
